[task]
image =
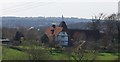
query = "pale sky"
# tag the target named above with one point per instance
(57, 8)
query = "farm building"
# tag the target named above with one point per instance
(67, 36)
(57, 35)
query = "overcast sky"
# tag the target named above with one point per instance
(69, 8)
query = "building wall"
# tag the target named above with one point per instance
(62, 39)
(86, 35)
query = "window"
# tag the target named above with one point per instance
(63, 32)
(62, 36)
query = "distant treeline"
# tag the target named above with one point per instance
(14, 22)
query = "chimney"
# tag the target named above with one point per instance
(53, 26)
(52, 31)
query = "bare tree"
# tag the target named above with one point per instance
(109, 28)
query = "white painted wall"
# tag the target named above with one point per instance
(62, 38)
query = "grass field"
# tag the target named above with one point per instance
(61, 56)
(107, 56)
(0, 52)
(12, 54)
(100, 56)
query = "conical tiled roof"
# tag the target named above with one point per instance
(63, 25)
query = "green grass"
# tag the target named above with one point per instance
(12, 54)
(30, 47)
(60, 56)
(88, 56)
(0, 52)
(107, 56)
